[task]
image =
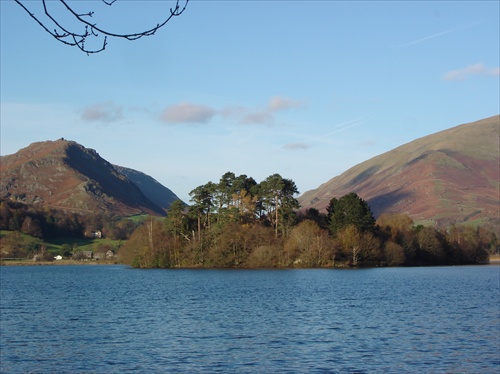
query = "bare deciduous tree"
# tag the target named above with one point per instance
(70, 26)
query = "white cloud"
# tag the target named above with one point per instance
(278, 103)
(198, 113)
(266, 116)
(187, 113)
(103, 112)
(475, 69)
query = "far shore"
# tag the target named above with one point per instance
(55, 262)
(494, 260)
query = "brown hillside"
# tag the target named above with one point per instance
(445, 178)
(64, 175)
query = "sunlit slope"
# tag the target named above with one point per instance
(66, 176)
(444, 178)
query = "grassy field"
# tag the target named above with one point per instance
(55, 245)
(85, 244)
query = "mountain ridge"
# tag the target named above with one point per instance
(441, 179)
(444, 178)
(65, 175)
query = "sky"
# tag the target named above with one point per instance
(306, 89)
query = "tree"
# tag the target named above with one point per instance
(31, 226)
(350, 210)
(73, 25)
(470, 244)
(308, 245)
(66, 250)
(395, 224)
(223, 194)
(174, 223)
(431, 246)
(5, 215)
(277, 196)
(362, 247)
(350, 241)
(314, 214)
(394, 254)
(148, 247)
(202, 198)
(243, 197)
(44, 255)
(12, 245)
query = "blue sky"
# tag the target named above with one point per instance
(306, 89)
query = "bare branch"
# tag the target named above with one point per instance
(78, 39)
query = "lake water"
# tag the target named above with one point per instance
(114, 319)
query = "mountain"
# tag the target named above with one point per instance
(444, 178)
(150, 187)
(65, 175)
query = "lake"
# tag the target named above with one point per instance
(115, 319)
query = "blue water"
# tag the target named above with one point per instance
(114, 319)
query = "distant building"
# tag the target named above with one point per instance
(99, 256)
(83, 255)
(87, 255)
(94, 234)
(104, 255)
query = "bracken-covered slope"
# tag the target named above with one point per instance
(446, 178)
(64, 175)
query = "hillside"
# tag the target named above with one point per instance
(150, 187)
(444, 178)
(64, 175)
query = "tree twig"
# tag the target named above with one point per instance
(78, 39)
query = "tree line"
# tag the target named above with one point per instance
(238, 222)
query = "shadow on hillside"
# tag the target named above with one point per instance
(361, 177)
(394, 201)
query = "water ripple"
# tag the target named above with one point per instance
(113, 319)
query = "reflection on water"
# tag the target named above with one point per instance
(102, 319)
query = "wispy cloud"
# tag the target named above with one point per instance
(263, 117)
(103, 112)
(437, 35)
(343, 126)
(300, 146)
(475, 69)
(307, 140)
(187, 113)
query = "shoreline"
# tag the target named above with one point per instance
(493, 260)
(54, 263)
